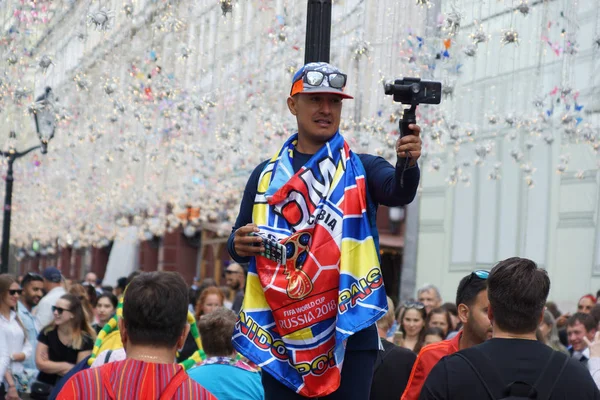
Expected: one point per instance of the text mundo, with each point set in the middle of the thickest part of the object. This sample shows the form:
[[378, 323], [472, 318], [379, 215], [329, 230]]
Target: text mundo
[[264, 341], [360, 290]]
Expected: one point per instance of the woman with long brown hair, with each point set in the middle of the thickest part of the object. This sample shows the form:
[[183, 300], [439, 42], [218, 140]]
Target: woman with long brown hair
[[412, 326], [65, 342], [78, 290], [17, 349]]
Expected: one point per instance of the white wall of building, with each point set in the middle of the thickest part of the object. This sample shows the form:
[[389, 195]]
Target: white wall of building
[[555, 221]]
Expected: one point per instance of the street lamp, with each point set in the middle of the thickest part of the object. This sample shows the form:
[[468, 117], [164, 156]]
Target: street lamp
[[45, 125]]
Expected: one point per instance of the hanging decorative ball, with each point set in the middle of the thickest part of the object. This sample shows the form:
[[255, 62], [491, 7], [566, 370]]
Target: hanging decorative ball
[[101, 19], [548, 138], [189, 230], [12, 58], [561, 167], [470, 50], [571, 48], [516, 154], [423, 3], [185, 52], [510, 120], [523, 8], [120, 107], [81, 36], [597, 41], [360, 49], [110, 88], [448, 89], [567, 119], [128, 9], [45, 63], [538, 102], [479, 37], [529, 181], [82, 83], [495, 173], [226, 7], [453, 20], [510, 36], [493, 120], [291, 67]]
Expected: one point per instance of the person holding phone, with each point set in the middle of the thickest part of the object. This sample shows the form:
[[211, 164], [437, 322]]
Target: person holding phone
[[296, 199]]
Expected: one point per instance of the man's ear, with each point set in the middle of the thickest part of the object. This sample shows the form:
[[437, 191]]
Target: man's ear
[[491, 314], [291, 103], [463, 313], [183, 337], [123, 332]]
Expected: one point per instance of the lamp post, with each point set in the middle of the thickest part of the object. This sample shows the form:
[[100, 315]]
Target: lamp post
[[318, 31], [45, 124]]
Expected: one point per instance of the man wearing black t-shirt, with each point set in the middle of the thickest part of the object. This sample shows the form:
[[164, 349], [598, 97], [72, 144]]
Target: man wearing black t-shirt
[[517, 291]]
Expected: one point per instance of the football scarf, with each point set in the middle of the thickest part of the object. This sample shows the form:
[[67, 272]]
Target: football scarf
[[297, 315]]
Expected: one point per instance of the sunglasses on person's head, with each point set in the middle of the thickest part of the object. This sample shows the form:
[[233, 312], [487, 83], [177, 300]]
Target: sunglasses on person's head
[[336, 80], [414, 304], [480, 273], [59, 310], [12, 292]]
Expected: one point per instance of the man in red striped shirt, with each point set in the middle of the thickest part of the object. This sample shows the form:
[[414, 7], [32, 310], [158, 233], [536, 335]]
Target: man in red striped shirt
[[153, 327], [472, 303]]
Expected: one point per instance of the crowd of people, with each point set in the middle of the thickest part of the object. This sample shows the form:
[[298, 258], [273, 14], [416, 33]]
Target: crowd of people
[[500, 315]]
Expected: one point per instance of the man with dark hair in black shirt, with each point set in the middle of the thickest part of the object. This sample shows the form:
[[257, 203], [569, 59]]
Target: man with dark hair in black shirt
[[513, 362]]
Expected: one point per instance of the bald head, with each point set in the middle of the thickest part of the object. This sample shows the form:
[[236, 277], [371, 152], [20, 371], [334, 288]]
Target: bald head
[[235, 276], [90, 278]]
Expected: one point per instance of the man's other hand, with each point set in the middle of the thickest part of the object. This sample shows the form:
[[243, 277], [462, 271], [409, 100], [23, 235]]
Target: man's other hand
[[247, 245]]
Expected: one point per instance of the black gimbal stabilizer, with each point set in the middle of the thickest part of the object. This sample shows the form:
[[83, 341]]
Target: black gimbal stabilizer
[[412, 91]]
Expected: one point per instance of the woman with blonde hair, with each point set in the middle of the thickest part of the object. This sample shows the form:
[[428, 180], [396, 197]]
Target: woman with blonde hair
[[16, 348], [549, 333], [64, 342]]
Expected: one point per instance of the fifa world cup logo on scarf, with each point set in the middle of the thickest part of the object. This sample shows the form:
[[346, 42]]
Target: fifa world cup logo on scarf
[[299, 283]]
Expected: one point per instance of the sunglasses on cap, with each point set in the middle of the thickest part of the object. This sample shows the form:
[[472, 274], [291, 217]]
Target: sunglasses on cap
[[12, 292], [336, 80], [417, 305], [59, 310]]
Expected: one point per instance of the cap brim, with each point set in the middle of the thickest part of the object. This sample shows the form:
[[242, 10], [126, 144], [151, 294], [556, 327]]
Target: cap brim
[[325, 90]]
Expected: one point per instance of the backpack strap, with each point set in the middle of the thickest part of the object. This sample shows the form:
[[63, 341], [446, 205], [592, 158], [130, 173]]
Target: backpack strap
[[174, 385], [484, 369], [107, 356], [549, 377]]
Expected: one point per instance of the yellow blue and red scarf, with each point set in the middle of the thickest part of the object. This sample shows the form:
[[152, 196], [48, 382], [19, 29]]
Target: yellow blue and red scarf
[[296, 317]]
